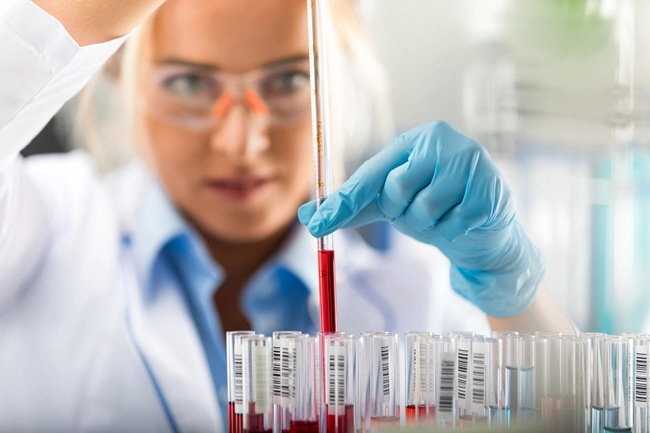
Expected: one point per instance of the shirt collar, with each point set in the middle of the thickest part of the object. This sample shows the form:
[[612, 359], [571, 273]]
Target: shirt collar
[[157, 224]]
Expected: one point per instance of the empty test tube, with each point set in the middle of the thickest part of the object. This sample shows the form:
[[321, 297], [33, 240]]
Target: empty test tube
[[305, 403], [284, 366], [341, 355], [381, 380], [257, 384], [234, 368]]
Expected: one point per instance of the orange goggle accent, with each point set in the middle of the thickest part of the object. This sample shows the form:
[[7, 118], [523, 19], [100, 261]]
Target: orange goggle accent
[[251, 98]]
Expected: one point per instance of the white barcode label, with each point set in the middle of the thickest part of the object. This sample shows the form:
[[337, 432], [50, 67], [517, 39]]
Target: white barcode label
[[289, 364], [239, 379], [641, 379], [416, 373], [261, 385], [462, 366], [478, 378], [446, 386], [385, 372], [277, 372], [335, 378]]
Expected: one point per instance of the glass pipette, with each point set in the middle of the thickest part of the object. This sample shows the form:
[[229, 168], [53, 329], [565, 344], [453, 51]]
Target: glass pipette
[[321, 143]]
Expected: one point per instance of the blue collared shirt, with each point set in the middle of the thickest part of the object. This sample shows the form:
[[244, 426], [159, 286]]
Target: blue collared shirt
[[275, 298]]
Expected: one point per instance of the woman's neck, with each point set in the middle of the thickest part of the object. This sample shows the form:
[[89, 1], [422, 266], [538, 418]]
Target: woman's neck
[[239, 261]]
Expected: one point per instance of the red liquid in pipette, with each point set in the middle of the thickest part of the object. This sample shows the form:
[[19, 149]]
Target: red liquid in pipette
[[327, 281]]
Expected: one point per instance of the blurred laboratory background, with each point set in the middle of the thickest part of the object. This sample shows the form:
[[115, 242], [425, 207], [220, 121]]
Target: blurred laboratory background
[[559, 93]]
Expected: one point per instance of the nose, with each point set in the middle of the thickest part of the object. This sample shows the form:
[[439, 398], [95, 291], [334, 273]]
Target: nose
[[242, 132]]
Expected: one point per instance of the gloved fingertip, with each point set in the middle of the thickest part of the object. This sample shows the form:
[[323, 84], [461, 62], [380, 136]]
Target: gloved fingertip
[[306, 212], [315, 227]]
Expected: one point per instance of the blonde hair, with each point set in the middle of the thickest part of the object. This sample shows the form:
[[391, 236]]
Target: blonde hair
[[361, 118]]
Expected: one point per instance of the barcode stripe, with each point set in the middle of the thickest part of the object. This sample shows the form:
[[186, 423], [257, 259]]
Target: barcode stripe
[[446, 392], [478, 378], [385, 371], [463, 360], [336, 360], [641, 379]]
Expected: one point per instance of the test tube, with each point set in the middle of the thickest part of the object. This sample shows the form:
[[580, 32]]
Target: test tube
[[381, 381], [511, 361], [444, 350], [499, 407], [641, 344], [595, 370], [341, 354], [420, 378], [527, 391], [316, 19], [484, 378], [542, 373], [617, 391], [284, 371], [568, 397], [257, 384], [234, 368], [463, 376], [305, 404]]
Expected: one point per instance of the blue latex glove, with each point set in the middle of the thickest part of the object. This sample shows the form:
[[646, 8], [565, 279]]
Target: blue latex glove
[[440, 187]]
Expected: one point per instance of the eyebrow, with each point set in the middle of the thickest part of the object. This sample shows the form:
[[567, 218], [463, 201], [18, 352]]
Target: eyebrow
[[211, 67]]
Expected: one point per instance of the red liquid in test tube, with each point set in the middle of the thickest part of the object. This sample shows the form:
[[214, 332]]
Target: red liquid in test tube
[[304, 427], [327, 281], [341, 423]]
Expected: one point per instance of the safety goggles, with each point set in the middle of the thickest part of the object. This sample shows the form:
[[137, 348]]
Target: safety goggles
[[198, 98]]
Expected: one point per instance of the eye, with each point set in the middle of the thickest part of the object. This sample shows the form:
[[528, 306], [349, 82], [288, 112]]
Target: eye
[[284, 83], [190, 86]]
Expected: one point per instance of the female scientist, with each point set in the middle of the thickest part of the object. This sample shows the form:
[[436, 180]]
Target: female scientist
[[115, 292]]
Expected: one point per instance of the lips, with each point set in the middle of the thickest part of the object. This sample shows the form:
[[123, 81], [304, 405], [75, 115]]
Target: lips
[[238, 188]]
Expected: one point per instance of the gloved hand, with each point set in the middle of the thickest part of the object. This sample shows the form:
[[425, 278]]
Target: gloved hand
[[440, 187]]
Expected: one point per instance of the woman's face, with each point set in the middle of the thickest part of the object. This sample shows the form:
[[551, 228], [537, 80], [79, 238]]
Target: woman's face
[[241, 179]]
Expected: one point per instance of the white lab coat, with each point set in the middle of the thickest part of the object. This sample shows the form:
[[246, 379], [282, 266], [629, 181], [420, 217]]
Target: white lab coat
[[79, 346]]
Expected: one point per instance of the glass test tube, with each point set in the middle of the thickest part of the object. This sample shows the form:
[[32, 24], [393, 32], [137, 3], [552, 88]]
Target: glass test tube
[[484, 378], [500, 413], [565, 386], [284, 371], [463, 376], [234, 368], [420, 378], [616, 385], [316, 20], [257, 361], [342, 394], [381, 381], [542, 376], [526, 368], [444, 352], [305, 403], [595, 359], [511, 388], [641, 346]]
